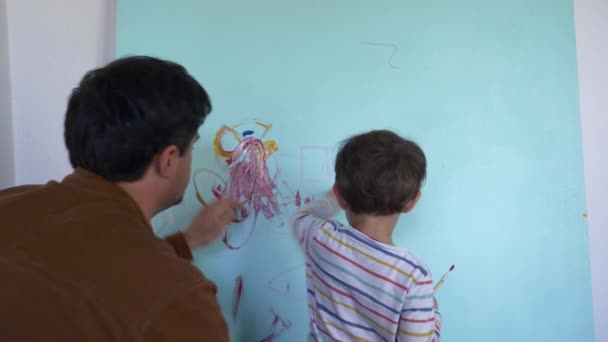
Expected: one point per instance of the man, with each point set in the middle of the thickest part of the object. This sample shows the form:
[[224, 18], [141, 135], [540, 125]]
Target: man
[[78, 258]]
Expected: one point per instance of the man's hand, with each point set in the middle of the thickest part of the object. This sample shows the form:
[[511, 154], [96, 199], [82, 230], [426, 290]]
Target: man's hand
[[209, 223]]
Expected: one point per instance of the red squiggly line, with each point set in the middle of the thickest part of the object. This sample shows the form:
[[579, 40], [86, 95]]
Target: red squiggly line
[[225, 235], [279, 325], [238, 293], [199, 197]]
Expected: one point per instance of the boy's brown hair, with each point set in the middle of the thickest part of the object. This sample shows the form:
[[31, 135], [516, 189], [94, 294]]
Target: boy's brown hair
[[379, 172]]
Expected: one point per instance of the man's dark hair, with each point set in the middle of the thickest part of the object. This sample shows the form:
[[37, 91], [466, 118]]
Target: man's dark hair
[[379, 172], [122, 114]]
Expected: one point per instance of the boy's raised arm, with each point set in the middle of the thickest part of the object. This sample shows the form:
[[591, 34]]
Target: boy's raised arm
[[312, 215]]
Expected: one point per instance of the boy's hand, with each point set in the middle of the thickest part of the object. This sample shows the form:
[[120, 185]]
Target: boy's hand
[[435, 305], [209, 223]]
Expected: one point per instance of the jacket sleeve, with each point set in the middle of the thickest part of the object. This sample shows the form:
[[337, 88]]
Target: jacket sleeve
[[179, 244]]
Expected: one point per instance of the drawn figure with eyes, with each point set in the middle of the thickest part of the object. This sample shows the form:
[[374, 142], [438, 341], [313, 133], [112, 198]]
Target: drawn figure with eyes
[[249, 180]]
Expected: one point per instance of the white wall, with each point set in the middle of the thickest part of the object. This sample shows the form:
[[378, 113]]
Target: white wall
[[7, 162], [52, 44], [592, 48]]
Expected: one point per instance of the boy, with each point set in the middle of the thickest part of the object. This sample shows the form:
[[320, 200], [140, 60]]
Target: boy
[[360, 286]]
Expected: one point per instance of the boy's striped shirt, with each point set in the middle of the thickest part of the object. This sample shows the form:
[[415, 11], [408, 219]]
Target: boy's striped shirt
[[360, 289]]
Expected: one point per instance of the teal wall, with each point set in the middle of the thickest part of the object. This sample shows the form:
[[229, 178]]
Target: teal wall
[[488, 89]]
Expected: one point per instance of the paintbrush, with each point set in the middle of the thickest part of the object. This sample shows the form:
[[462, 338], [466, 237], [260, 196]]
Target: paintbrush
[[445, 276]]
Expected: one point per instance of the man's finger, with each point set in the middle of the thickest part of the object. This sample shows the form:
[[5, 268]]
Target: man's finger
[[235, 205], [230, 215], [227, 215]]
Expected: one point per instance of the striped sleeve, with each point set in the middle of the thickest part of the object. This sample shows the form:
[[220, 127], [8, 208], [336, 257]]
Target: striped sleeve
[[312, 215], [420, 322]]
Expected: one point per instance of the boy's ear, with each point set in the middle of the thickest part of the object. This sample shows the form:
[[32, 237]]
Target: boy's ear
[[339, 198], [412, 203]]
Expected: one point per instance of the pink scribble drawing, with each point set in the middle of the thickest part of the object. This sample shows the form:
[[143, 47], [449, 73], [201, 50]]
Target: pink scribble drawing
[[238, 294], [248, 178], [279, 326], [243, 153]]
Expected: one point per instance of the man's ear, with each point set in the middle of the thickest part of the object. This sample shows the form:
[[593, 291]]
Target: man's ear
[[412, 203], [166, 161], [339, 198]]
